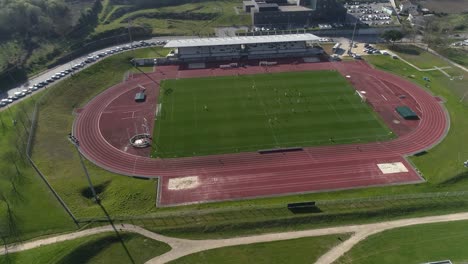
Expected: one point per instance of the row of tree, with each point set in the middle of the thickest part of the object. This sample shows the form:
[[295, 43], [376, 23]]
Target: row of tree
[[34, 18]]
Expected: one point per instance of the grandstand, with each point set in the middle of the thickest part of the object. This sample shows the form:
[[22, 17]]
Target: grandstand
[[246, 47]]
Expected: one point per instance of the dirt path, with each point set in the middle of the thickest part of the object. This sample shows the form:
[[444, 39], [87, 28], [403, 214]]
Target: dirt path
[[183, 247]]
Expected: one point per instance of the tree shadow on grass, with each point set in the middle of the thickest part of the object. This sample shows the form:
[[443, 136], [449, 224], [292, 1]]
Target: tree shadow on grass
[[87, 251], [100, 188], [405, 50], [117, 234], [456, 179]]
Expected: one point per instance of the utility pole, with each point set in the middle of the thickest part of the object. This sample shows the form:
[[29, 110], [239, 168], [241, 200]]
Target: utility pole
[[130, 33], [352, 38], [76, 143]]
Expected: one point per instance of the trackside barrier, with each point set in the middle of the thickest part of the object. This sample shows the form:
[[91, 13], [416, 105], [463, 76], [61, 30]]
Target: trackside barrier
[[301, 205], [325, 208], [279, 150]]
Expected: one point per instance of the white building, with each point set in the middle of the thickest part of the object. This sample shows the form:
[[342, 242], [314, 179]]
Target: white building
[[245, 47], [388, 10]]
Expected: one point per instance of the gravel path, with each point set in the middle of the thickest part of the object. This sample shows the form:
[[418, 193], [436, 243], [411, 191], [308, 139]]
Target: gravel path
[[183, 247]]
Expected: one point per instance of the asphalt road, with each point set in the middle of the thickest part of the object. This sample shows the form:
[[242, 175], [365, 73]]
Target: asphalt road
[[50, 72]]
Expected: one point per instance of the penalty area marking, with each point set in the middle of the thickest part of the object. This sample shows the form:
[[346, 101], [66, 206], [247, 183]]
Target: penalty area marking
[[394, 167], [183, 183]]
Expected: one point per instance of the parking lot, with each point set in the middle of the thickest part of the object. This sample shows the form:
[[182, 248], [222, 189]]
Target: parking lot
[[372, 13]]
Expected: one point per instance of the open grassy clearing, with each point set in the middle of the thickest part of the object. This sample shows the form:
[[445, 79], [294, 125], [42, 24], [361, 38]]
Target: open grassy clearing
[[167, 20], [202, 116], [414, 244], [458, 55], [418, 56], [102, 248], [302, 250], [446, 6]]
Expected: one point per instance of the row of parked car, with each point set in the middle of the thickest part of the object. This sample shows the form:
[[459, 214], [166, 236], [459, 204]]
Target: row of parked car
[[95, 57], [89, 59]]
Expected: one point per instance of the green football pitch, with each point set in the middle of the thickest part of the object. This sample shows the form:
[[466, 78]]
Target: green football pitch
[[202, 116]]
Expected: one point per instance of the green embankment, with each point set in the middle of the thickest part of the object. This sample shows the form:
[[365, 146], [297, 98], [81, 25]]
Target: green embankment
[[102, 248]]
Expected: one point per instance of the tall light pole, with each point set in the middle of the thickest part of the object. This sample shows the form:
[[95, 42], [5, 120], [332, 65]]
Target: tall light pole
[[352, 37], [76, 143], [130, 33]]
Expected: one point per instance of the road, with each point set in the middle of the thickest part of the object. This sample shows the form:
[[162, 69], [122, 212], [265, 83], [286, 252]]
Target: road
[[182, 247], [50, 72]]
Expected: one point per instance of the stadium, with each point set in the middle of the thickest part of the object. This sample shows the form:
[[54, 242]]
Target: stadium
[[236, 118]]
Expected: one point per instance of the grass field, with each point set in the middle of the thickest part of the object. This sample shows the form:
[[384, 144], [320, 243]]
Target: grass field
[[203, 116], [302, 250], [414, 244], [102, 248]]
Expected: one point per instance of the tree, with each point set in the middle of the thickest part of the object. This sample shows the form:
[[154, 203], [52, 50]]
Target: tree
[[392, 35]]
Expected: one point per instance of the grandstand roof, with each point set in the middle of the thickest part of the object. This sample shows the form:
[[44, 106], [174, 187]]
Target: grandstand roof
[[197, 42]]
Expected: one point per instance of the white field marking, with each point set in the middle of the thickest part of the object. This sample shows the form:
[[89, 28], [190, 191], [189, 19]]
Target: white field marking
[[394, 167], [463, 97], [384, 97], [442, 71], [158, 110], [331, 106], [183, 183], [133, 115]]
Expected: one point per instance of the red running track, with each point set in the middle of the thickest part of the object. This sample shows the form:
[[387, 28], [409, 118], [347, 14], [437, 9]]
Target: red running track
[[247, 175]]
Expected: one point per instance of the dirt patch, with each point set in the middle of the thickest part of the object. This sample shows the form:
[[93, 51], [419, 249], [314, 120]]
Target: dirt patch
[[183, 183]]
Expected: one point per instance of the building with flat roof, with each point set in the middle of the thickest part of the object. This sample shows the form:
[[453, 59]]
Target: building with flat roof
[[284, 14], [246, 47]]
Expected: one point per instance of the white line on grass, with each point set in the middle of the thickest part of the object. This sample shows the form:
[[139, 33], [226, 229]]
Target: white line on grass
[[265, 112], [333, 108], [195, 108]]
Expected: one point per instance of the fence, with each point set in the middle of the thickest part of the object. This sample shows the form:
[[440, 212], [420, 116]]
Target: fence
[[335, 211], [28, 150]]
